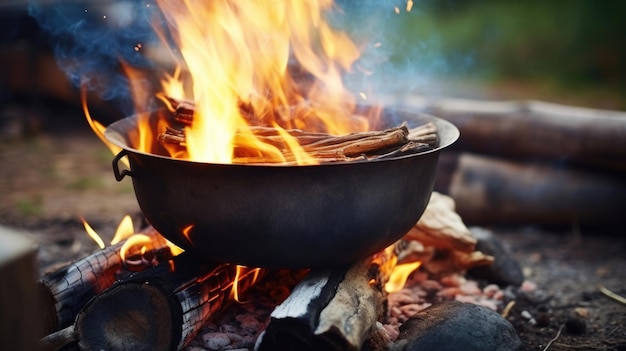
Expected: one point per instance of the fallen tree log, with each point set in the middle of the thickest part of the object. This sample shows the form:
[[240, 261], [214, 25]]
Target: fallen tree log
[[489, 190], [534, 130]]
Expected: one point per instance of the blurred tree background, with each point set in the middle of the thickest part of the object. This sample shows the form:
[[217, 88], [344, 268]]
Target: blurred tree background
[[573, 51], [566, 51]]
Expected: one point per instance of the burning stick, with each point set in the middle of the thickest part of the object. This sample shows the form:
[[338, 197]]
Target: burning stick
[[161, 308], [66, 290], [324, 147], [331, 309]]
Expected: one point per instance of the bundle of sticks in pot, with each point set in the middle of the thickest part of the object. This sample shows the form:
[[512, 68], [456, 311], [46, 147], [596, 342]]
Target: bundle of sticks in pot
[[324, 147]]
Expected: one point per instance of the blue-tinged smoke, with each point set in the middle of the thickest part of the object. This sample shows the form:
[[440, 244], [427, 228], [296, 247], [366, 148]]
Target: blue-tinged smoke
[[90, 39], [400, 53]]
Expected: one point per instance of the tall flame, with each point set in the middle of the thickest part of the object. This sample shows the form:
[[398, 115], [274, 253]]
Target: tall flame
[[238, 56]]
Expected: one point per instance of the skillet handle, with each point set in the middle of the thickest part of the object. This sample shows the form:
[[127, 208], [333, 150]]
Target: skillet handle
[[116, 169]]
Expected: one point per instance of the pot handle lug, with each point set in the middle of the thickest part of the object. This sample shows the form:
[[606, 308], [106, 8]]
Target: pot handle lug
[[116, 169]]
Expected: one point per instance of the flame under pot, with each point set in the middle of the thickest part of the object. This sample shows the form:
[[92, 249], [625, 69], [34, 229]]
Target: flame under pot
[[283, 216]]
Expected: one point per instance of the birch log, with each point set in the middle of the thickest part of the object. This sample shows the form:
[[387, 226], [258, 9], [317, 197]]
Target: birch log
[[334, 309]]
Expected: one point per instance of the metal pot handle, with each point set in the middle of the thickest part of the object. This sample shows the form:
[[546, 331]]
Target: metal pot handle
[[116, 169]]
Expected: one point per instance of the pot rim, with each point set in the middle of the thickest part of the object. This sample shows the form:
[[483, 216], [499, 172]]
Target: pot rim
[[447, 133]]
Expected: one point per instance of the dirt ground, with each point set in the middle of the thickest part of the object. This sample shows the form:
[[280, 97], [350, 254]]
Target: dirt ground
[[55, 171]]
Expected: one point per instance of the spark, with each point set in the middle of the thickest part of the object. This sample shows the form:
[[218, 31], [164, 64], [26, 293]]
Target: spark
[[409, 5]]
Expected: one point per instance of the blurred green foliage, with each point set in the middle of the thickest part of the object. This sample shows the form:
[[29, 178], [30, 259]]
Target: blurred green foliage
[[561, 45], [570, 41]]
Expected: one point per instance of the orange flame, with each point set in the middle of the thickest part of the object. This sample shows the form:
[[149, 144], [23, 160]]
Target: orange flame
[[399, 276], [93, 234], [135, 242], [96, 126], [124, 230], [240, 272], [244, 63]]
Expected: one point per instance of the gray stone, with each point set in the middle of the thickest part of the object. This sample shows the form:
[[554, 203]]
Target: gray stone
[[505, 270], [452, 326]]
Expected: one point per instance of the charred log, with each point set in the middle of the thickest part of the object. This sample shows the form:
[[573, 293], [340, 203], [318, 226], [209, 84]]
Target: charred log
[[160, 308], [67, 289]]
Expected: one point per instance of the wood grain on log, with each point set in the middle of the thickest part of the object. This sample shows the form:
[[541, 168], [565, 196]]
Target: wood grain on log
[[64, 291], [441, 227], [534, 129], [323, 147], [490, 190], [447, 245], [333, 309], [160, 308]]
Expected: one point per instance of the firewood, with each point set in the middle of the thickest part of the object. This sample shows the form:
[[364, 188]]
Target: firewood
[[393, 142], [535, 130], [373, 145], [451, 243], [64, 291], [493, 190], [333, 309], [361, 143], [184, 110], [446, 262], [290, 160], [412, 147], [160, 308], [441, 227]]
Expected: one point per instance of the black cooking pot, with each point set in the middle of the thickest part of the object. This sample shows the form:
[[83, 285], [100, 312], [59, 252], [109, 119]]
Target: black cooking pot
[[283, 216]]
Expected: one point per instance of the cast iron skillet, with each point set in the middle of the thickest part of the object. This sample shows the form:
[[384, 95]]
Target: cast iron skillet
[[283, 216]]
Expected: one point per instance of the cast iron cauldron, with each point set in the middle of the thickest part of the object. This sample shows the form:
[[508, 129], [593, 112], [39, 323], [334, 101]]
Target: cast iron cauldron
[[283, 216]]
